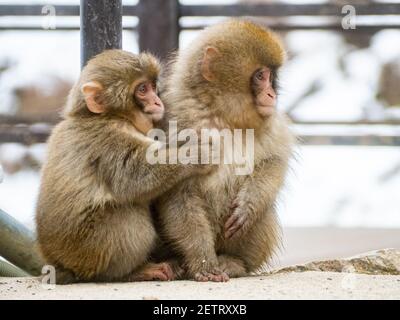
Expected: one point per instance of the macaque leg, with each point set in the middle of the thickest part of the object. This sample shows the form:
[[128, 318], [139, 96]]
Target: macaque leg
[[249, 252], [162, 271], [152, 272], [65, 276], [189, 229], [233, 267], [177, 269]]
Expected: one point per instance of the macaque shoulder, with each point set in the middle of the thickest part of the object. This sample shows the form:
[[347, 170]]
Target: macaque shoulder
[[275, 140]]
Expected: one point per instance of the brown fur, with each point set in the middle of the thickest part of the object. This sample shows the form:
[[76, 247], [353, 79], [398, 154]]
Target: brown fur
[[194, 212], [93, 217]]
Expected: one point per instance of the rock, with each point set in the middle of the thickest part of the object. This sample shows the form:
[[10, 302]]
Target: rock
[[291, 285], [321, 280], [383, 262]]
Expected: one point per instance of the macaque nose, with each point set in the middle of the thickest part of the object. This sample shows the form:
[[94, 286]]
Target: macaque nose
[[157, 102]]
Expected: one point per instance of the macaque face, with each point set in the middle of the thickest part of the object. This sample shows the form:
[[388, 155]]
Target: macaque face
[[145, 94], [263, 91]]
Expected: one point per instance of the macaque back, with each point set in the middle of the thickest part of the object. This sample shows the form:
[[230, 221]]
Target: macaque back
[[224, 224], [93, 215]]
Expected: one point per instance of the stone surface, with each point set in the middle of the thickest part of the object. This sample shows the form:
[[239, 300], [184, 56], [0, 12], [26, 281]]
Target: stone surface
[[384, 262], [357, 279]]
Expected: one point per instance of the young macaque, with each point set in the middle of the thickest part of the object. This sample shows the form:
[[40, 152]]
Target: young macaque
[[93, 217], [222, 224]]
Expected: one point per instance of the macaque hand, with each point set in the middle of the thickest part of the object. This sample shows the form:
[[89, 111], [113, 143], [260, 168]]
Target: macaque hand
[[238, 221]]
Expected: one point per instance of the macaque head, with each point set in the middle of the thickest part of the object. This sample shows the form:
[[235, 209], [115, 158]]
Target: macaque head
[[238, 65], [264, 91], [119, 83]]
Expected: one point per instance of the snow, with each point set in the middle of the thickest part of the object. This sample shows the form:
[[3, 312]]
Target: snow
[[38, 152], [330, 185], [386, 45], [342, 95], [343, 186], [12, 152], [18, 194], [358, 130]]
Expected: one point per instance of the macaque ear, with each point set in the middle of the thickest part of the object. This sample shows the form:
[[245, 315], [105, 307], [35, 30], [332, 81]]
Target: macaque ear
[[210, 54], [90, 90]]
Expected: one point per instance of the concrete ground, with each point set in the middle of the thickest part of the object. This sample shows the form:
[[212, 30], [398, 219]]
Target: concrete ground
[[307, 281], [293, 285]]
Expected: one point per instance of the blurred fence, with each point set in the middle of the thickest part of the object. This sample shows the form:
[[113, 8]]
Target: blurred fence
[[159, 26]]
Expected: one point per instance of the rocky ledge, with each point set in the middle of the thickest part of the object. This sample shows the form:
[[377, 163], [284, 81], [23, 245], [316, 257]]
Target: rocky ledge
[[374, 275]]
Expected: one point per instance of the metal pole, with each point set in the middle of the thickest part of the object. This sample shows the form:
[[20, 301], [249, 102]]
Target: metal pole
[[158, 26], [101, 27], [17, 245], [8, 270]]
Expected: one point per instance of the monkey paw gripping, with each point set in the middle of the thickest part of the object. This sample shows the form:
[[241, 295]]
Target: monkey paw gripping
[[238, 221], [215, 275], [155, 272]]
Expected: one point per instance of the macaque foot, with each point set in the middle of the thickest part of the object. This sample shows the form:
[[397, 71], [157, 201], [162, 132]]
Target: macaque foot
[[215, 276], [233, 267], [177, 269], [154, 272]]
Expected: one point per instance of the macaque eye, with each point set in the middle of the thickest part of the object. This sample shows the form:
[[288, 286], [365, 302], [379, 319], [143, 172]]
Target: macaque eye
[[259, 75], [142, 88]]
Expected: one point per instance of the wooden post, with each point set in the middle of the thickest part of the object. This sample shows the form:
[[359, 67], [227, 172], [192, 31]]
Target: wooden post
[[101, 27], [159, 26]]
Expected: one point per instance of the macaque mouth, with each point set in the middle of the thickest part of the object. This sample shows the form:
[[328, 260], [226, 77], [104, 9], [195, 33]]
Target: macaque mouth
[[266, 106], [153, 112]]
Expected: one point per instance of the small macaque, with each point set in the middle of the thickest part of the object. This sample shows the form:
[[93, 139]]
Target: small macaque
[[222, 224], [93, 212]]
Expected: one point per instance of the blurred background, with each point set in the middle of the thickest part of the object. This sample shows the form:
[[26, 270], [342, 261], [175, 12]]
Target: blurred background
[[340, 87]]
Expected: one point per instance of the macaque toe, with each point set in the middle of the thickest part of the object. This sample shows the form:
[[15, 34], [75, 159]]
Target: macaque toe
[[155, 272], [217, 276]]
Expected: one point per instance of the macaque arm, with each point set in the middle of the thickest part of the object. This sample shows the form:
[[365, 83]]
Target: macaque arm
[[256, 196], [124, 169]]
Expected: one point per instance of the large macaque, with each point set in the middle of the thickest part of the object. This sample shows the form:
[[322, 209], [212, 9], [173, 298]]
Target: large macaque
[[93, 216], [224, 225]]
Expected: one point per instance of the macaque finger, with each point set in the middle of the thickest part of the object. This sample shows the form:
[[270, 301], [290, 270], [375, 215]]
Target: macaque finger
[[154, 271], [200, 277], [211, 276], [235, 228], [230, 232], [231, 221], [233, 206]]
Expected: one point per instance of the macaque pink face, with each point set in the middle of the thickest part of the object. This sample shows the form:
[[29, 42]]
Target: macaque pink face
[[146, 96], [263, 91]]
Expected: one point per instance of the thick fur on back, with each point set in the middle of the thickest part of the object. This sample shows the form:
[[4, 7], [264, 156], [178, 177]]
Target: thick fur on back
[[93, 216], [81, 221], [226, 103]]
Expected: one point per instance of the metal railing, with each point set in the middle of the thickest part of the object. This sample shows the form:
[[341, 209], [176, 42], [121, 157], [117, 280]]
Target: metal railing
[[159, 26]]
